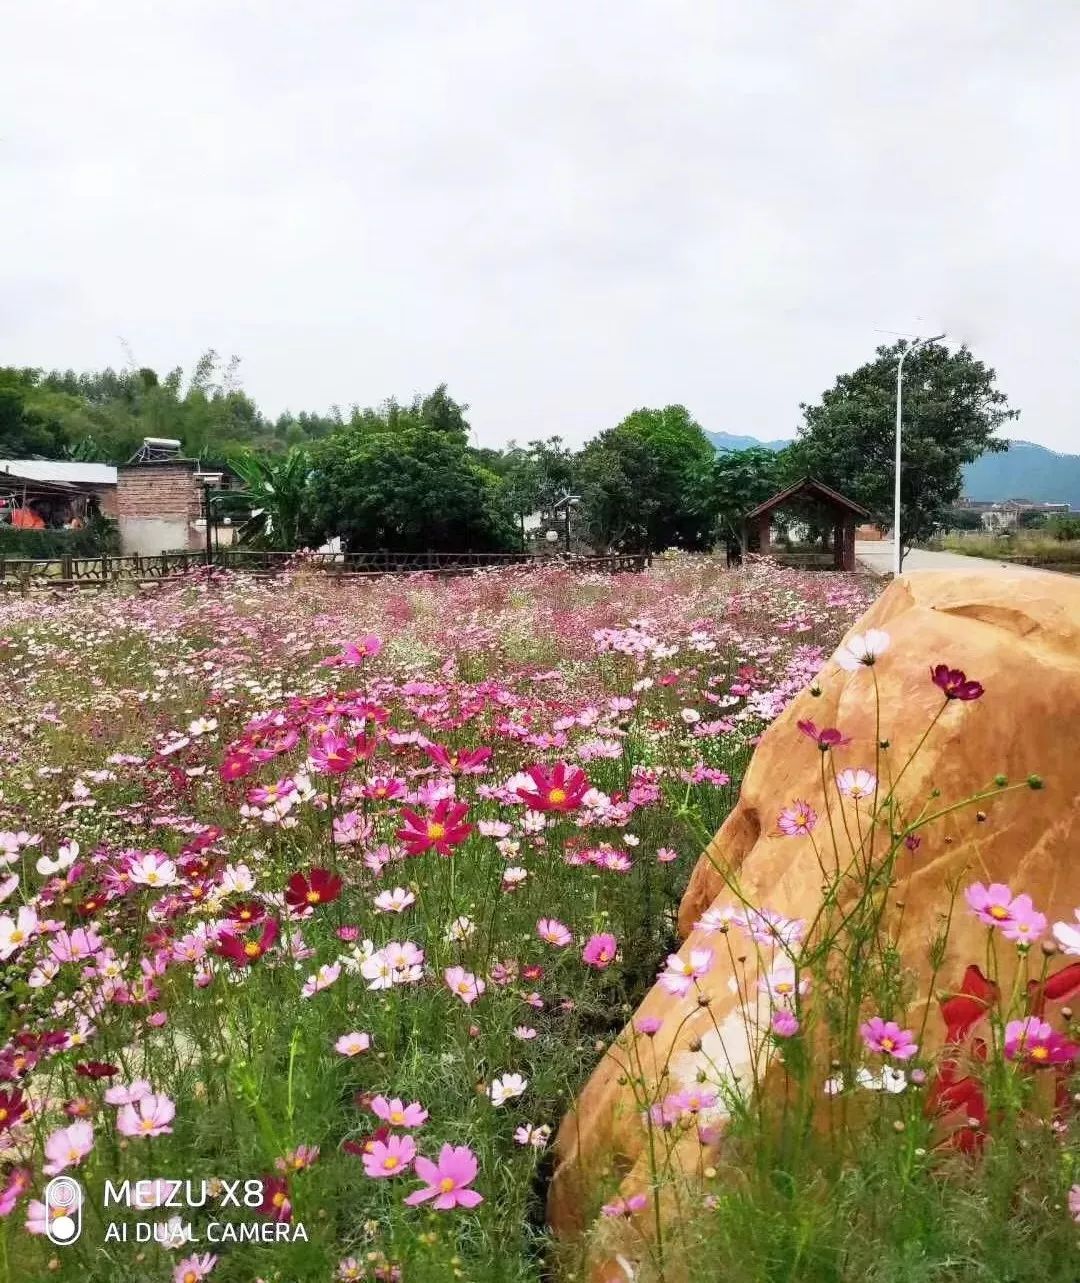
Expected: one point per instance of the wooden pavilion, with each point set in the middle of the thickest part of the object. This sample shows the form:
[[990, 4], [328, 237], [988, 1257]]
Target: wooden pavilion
[[843, 511]]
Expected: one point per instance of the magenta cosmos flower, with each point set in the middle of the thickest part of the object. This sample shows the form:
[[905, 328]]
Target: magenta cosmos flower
[[888, 1039], [825, 739], [390, 1157], [448, 1180], [954, 684], [440, 831], [625, 1206], [1038, 1043], [556, 788], [797, 820], [1074, 1202], [600, 950]]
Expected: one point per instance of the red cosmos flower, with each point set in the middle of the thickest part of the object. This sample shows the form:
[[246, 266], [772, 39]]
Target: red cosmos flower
[[954, 683], [443, 829], [825, 739], [362, 1100], [248, 913], [12, 1108], [559, 789], [96, 1069], [244, 953], [459, 761], [236, 765], [319, 887], [276, 1202]]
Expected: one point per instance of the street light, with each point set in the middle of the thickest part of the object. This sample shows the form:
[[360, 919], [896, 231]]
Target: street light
[[569, 500], [899, 416]]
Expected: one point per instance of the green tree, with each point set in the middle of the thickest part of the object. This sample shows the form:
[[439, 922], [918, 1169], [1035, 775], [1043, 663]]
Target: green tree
[[640, 482], [276, 495], [952, 409], [407, 489], [736, 481], [25, 431]]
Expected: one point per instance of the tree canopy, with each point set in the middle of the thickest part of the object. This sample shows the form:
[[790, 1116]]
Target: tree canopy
[[404, 474], [952, 410]]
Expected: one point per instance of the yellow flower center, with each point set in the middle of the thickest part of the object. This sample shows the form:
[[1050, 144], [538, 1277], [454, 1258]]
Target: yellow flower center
[[252, 949], [313, 897], [396, 1116], [436, 831], [1039, 1053], [3, 1115], [446, 1184], [887, 1044], [998, 911], [17, 937], [147, 1124], [557, 796], [278, 1199], [389, 1162]]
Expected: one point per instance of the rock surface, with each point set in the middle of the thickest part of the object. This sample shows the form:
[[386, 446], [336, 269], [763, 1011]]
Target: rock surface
[[1019, 636]]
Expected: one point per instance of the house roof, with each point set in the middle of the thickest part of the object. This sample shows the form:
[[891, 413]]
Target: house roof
[[810, 486], [61, 470]]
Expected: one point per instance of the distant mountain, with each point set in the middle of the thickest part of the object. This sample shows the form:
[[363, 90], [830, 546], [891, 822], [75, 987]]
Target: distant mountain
[[1025, 471], [730, 441]]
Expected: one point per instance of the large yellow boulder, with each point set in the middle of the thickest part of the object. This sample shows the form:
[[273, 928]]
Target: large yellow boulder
[[1016, 632]]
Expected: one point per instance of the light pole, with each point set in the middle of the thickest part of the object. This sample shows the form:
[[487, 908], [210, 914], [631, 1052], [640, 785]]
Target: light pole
[[899, 418]]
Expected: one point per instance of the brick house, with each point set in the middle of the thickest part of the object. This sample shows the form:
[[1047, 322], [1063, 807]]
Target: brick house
[[160, 506]]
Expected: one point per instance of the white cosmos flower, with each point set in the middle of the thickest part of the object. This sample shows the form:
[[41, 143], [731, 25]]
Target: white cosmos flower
[[1067, 934], [508, 1087], [862, 649]]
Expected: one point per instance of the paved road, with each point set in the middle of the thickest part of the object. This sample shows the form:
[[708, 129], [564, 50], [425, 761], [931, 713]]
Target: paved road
[[878, 557]]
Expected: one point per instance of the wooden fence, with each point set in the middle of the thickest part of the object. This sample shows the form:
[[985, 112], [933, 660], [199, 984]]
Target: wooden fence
[[98, 572]]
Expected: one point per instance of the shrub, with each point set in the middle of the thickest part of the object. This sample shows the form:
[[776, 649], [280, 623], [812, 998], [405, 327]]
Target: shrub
[[99, 536]]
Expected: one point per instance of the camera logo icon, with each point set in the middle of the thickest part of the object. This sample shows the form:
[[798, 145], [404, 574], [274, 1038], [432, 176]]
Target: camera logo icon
[[63, 1210]]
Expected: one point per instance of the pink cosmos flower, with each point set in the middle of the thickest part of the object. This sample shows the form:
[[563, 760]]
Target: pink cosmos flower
[[18, 1183], [647, 1025], [68, 1147], [625, 1206], [352, 1044], [397, 1114], [797, 820], [1026, 924], [390, 1157], [665, 855], [149, 1116], [129, 1094], [192, 1269], [554, 932], [448, 1180], [996, 905], [681, 973], [1074, 1202], [887, 1038], [785, 1024], [463, 984], [600, 950]]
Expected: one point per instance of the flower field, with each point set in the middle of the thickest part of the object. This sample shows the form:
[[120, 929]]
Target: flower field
[[320, 903]]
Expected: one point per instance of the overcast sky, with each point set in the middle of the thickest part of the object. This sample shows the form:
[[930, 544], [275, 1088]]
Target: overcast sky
[[563, 208]]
